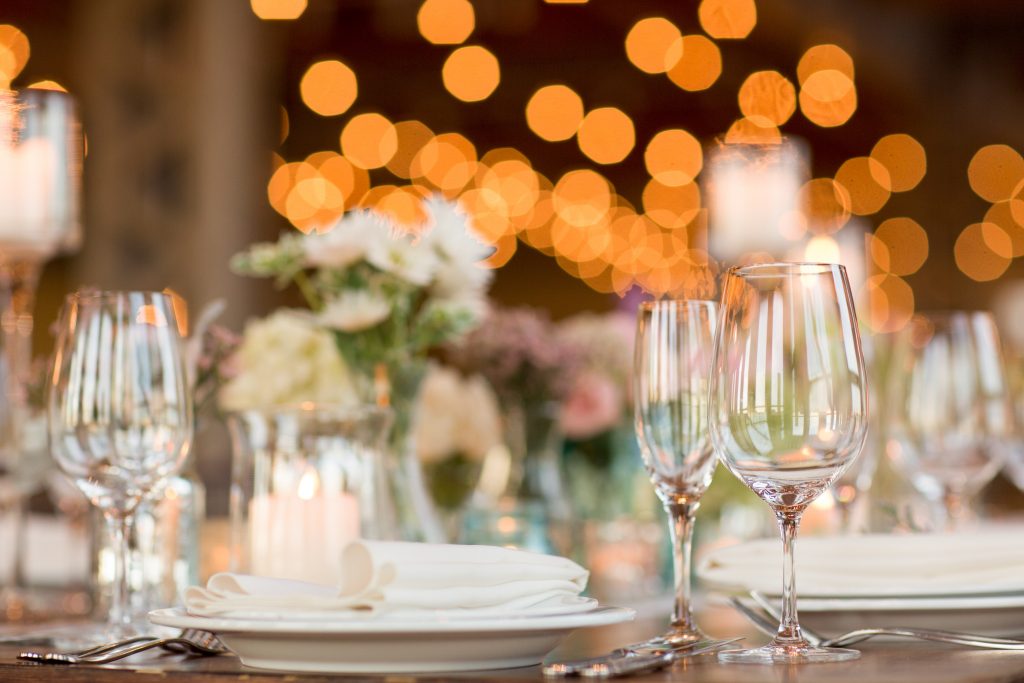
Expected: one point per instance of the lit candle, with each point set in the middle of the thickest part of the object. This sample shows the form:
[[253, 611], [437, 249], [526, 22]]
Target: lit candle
[[301, 535], [28, 187]]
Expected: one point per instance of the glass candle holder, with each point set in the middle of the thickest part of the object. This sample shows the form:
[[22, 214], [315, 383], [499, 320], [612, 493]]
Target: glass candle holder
[[305, 482]]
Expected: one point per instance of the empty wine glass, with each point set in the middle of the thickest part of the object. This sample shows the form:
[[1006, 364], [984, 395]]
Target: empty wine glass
[[788, 407], [674, 341], [119, 412], [949, 406]]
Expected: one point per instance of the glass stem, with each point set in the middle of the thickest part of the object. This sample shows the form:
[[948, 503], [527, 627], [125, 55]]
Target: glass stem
[[953, 505], [119, 617], [681, 516], [789, 626]]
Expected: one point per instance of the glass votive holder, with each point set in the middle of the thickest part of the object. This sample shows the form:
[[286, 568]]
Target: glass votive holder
[[305, 482]]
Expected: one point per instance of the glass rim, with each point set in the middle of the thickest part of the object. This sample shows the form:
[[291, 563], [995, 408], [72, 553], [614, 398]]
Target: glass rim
[[88, 295], [651, 304], [310, 409], [779, 268]]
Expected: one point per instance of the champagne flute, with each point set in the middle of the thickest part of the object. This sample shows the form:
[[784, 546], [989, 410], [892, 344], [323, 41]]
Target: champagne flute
[[788, 407], [950, 407], [674, 341], [119, 412]]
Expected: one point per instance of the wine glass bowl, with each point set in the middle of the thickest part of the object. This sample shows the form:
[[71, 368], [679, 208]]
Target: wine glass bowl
[[674, 342], [788, 411], [119, 410], [950, 406]]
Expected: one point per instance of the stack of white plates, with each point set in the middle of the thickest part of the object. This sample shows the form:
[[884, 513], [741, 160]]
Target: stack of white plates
[[432, 641], [967, 581]]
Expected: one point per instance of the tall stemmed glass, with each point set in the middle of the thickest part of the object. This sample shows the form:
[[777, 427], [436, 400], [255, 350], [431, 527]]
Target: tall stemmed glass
[[674, 341], [788, 407], [950, 406], [119, 412]]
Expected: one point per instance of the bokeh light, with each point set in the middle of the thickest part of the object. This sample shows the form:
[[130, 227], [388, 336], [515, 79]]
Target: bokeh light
[[724, 19], [654, 45], [746, 131], [671, 206], [554, 112], [995, 171], [471, 73], [824, 58], [1007, 215], [867, 183], [606, 135], [278, 9], [14, 53], [411, 136], [768, 98], [446, 22], [329, 88], [899, 246], [369, 140], [890, 303], [983, 251], [828, 98], [47, 85], [674, 157], [826, 204], [904, 158], [448, 162], [699, 66], [822, 249], [582, 197]]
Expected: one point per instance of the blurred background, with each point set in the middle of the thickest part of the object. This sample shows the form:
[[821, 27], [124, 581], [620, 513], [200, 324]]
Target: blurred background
[[578, 135]]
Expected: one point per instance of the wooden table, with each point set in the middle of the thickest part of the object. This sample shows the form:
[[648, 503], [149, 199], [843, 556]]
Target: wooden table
[[881, 662]]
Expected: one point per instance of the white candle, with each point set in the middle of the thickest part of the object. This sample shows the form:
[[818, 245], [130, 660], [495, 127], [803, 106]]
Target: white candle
[[301, 535]]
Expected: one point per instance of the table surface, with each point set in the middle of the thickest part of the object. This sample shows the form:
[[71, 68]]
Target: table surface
[[898, 662]]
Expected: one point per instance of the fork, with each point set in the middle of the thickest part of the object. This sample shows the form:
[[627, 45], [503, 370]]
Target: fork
[[767, 622], [189, 641]]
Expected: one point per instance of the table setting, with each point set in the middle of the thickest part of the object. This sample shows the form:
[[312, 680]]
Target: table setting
[[366, 436]]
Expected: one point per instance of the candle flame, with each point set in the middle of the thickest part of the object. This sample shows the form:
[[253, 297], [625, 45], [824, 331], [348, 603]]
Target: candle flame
[[309, 484]]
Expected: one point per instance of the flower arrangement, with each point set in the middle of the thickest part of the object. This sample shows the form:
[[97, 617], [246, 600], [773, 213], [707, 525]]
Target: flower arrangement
[[386, 295]]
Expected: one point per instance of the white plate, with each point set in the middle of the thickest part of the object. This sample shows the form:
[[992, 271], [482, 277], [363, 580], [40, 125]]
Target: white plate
[[992, 615], [387, 646]]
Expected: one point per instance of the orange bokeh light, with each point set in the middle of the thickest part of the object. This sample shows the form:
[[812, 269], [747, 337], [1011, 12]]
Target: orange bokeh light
[[674, 157], [768, 98], [47, 85], [727, 19], [904, 158], [1008, 216], [671, 207], [900, 246], [329, 88], [582, 197], [890, 303], [411, 136], [654, 45], [983, 251], [828, 98], [824, 58], [14, 52], [369, 140], [700, 65], [446, 22], [448, 162], [471, 73], [826, 204], [995, 172], [867, 183], [606, 135], [278, 9], [554, 112], [750, 132]]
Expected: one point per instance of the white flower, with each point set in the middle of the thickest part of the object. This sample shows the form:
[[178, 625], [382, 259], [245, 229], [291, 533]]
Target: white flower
[[286, 359], [354, 310], [347, 242], [454, 280], [473, 307], [411, 260], [452, 235], [455, 416]]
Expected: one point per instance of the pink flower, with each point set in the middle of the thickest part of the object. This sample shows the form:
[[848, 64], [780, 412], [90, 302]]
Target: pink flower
[[594, 405]]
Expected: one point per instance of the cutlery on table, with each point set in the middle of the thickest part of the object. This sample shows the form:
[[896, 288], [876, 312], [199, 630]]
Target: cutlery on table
[[767, 623], [189, 641], [637, 651], [645, 663]]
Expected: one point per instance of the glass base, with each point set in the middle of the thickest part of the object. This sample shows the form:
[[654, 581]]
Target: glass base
[[793, 653]]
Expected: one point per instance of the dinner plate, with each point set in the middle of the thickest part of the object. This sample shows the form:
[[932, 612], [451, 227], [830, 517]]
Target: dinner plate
[[428, 644], [990, 615]]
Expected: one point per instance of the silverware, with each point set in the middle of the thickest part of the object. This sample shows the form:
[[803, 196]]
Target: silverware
[[189, 641], [576, 667], [767, 623], [640, 664]]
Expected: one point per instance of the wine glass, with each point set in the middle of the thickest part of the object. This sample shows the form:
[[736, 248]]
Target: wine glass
[[674, 341], [119, 412], [788, 407], [949, 407]]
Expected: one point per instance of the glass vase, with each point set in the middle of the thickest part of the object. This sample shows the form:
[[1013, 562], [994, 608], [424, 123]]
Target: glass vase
[[306, 481]]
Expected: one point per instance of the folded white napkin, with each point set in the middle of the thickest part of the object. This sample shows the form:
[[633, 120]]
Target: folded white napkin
[[405, 578], [883, 565]]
